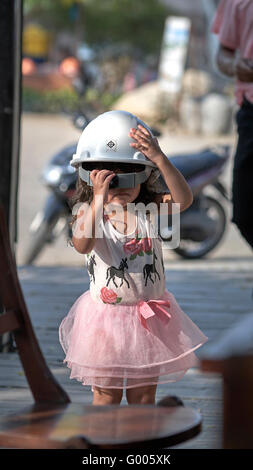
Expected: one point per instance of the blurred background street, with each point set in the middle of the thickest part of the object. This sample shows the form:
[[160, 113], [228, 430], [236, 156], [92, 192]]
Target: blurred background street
[[43, 134], [79, 59]]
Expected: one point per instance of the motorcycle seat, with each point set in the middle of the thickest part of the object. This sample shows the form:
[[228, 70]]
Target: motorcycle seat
[[193, 163]]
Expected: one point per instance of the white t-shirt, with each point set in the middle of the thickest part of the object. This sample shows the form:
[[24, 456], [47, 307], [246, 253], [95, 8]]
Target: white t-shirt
[[124, 269]]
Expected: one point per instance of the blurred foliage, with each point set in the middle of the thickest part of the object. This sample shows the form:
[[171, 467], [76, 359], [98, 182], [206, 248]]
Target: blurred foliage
[[54, 15], [65, 100], [48, 101], [121, 31], [137, 23]]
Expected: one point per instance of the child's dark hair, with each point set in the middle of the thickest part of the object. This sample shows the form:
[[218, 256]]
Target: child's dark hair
[[84, 192]]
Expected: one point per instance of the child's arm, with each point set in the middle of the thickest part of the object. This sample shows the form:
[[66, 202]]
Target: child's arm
[[81, 243], [84, 244], [179, 188]]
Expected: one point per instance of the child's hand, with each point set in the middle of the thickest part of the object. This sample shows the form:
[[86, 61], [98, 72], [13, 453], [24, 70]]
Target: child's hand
[[101, 180], [146, 144]]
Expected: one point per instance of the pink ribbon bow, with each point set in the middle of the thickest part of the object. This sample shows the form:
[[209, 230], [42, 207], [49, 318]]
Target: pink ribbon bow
[[153, 307]]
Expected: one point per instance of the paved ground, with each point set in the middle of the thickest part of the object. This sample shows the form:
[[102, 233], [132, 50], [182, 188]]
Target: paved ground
[[213, 298]]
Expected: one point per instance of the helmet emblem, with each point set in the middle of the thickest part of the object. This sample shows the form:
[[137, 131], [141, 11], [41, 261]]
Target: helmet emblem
[[111, 145]]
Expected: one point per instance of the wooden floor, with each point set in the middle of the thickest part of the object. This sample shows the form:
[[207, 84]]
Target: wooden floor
[[214, 295]]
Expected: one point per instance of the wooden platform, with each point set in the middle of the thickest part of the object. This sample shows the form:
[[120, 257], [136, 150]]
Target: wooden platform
[[213, 298]]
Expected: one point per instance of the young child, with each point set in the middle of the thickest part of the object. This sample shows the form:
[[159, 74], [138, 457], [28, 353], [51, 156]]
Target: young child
[[127, 330]]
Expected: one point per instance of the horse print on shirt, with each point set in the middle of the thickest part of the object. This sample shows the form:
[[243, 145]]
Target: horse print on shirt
[[90, 266], [112, 271], [149, 269]]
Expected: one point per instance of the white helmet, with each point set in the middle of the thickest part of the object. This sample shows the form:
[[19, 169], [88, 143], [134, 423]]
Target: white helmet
[[106, 139]]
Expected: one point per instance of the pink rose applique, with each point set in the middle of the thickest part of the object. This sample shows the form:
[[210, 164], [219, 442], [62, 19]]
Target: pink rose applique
[[109, 296], [146, 244], [138, 246], [133, 246]]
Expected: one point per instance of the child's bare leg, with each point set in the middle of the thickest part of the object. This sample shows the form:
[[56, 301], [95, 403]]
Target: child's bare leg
[[107, 396], [141, 395]]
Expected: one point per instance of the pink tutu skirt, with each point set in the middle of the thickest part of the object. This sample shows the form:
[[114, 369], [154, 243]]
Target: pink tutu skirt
[[113, 346]]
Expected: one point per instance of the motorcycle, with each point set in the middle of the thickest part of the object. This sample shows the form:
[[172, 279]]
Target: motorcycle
[[202, 225]]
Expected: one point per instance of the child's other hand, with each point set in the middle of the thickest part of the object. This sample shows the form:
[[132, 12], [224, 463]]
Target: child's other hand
[[146, 144]]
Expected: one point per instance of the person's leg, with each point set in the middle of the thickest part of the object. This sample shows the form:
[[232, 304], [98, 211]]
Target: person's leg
[[141, 395], [107, 396], [242, 185], [243, 203]]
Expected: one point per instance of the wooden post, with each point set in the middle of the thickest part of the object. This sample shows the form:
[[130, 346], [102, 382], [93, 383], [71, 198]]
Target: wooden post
[[238, 403], [232, 357], [10, 99]]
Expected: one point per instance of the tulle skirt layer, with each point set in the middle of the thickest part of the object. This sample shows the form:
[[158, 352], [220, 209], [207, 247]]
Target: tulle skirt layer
[[106, 345]]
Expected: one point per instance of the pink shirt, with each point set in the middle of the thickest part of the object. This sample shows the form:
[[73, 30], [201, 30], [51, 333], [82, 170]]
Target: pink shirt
[[233, 23]]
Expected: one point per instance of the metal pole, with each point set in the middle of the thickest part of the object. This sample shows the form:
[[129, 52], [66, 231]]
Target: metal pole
[[209, 8]]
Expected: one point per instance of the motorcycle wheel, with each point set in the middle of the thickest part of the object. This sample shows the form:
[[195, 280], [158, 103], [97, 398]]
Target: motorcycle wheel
[[189, 249], [39, 239]]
